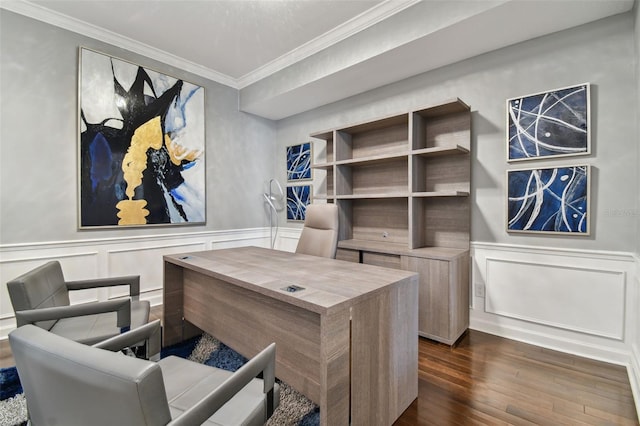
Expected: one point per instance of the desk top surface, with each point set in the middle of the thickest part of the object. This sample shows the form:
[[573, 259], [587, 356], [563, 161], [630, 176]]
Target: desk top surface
[[326, 283]]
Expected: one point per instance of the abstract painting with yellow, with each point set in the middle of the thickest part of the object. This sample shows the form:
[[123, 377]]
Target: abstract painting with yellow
[[142, 140]]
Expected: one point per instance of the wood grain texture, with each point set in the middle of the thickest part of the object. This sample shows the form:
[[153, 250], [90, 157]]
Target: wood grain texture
[[372, 218], [446, 222], [335, 375], [444, 173], [382, 140], [448, 130], [443, 298], [386, 374], [343, 145], [489, 380], [348, 255], [405, 180], [385, 178], [345, 222], [173, 302], [231, 313], [381, 259], [434, 298], [331, 191], [344, 180], [329, 150], [441, 253], [417, 215], [459, 270], [239, 296]]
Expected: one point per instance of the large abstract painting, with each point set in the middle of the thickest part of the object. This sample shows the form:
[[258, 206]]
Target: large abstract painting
[[142, 145], [298, 198], [549, 124], [299, 162], [550, 200]]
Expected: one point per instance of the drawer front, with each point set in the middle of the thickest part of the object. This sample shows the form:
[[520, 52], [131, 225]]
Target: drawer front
[[380, 259], [348, 255]]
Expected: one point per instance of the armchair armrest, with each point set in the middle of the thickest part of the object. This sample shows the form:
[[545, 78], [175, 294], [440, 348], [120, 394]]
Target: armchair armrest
[[122, 307], [133, 281], [149, 332], [264, 362]]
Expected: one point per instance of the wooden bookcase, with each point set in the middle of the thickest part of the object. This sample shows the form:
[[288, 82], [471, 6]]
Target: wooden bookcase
[[402, 187]]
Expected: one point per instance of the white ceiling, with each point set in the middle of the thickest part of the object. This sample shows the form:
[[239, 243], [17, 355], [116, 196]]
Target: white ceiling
[[231, 37], [243, 42]]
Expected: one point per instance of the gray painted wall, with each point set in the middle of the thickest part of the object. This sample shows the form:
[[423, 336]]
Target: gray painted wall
[[38, 140], [601, 53], [636, 10]]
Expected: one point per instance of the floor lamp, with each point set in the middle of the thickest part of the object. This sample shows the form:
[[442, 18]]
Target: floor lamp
[[272, 197]]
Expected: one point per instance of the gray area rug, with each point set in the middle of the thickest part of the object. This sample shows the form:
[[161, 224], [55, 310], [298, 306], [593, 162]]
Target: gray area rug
[[294, 410]]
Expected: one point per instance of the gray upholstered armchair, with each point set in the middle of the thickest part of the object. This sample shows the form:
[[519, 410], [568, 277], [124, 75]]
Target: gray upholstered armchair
[[320, 232], [41, 297], [67, 383]]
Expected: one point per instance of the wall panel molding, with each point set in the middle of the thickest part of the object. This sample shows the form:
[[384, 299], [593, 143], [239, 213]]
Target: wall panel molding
[[135, 255], [634, 363], [551, 297], [548, 250], [634, 375], [582, 299], [122, 260]]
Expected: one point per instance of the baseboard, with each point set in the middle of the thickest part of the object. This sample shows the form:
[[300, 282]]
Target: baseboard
[[549, 339], [633, 370]]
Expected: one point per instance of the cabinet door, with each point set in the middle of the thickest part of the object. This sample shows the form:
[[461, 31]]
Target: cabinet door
[[433, 296], [348, 255], [381, 259]]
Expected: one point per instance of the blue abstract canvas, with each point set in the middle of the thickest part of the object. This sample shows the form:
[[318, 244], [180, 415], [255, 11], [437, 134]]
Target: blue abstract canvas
[[299, 162], [142, 144], [551, 200], [298, 197], [549, 124]]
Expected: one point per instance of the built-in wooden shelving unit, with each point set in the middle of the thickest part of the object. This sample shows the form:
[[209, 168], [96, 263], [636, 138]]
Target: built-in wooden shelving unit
[[402, 187]]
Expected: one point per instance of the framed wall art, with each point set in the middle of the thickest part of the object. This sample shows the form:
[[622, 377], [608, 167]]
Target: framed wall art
[[141, 145], [549, 124], [549, 200], [298, 198], [299, 162]]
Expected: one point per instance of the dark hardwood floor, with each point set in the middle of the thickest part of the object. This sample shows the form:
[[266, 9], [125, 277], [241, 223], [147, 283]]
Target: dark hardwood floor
[[489, 380]]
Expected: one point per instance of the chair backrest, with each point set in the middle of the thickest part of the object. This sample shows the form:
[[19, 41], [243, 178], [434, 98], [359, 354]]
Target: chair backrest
[[43, 287], [320, 232], [68, 383]]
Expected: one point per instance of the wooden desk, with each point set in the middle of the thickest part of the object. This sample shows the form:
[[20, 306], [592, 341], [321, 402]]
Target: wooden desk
[[348, 341]]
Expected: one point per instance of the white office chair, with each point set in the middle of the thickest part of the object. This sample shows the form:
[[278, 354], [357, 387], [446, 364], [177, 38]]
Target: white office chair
[[320, 233]]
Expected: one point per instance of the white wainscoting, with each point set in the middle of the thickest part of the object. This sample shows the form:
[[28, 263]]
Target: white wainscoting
[[576, 301], [94, 258], [634, 364], [587, 300]]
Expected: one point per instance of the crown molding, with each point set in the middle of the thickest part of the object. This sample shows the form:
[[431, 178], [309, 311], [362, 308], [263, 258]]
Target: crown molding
[[49, 16], [376, 14], [366, 19]]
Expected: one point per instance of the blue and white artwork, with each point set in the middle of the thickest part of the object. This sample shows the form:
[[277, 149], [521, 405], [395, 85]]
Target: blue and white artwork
[[551, 200], [549, 124], [298, 198], [299, 162], [142, 143]]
